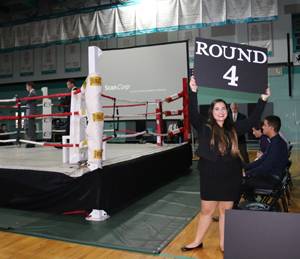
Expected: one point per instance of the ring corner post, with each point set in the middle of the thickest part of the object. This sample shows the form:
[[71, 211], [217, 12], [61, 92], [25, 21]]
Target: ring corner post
[[186, 121], [159, 123]]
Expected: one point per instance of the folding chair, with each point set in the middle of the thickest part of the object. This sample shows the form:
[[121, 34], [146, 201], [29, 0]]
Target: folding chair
[[274, 195]]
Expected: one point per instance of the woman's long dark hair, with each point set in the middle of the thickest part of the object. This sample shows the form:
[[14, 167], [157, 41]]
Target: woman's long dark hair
[[219, 132]]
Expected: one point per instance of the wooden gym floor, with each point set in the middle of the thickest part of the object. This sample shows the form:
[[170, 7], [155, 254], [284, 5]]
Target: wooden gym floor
[[23, 247]]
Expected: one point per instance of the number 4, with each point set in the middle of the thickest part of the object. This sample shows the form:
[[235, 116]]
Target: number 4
[[233, 78]]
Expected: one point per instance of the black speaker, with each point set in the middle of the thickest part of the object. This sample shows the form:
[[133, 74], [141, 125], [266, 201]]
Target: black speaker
[[261, 235]]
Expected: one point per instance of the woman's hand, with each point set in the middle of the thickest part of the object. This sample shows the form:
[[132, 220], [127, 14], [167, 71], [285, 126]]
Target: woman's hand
[[267, 94], [193, 84], [244, 174]]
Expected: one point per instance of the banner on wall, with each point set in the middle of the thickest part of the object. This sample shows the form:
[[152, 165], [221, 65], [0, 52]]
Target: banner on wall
[[88, 28], [126, 42], [72, 57], [146, 17], [190, 14], [107, 23], [238, 11], [26, 62], [214, 12], [22, 35], [52, 29], [8, 37], [69, 29], [167, 15], [102, 44], [125, 20], [37, 36], [6, 65], [264, 10], [260, 35], [230, 66], [49, 60]]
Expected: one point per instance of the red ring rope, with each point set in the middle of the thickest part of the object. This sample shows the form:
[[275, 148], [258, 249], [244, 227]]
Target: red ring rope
[[60, 105], [60, 145]]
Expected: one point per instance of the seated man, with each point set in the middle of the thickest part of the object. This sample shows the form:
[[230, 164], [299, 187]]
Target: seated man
[[4, 137], [266, 172], [263, 139], [173, 126]]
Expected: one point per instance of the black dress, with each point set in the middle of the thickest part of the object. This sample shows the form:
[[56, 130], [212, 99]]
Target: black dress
[[221, 180], [221, 176]]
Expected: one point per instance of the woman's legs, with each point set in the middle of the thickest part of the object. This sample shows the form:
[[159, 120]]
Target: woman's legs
[[223, 205], [207, 210]]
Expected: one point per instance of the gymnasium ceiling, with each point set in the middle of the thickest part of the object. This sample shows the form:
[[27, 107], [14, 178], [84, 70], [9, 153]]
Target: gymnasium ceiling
[[16, 10]]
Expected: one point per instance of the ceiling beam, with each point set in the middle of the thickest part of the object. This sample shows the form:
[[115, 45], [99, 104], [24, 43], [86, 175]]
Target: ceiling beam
[[41, 8]]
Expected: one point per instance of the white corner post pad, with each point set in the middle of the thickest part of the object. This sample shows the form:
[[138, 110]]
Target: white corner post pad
[[94, 129], [65, 149], [97, 215], [93, 166]]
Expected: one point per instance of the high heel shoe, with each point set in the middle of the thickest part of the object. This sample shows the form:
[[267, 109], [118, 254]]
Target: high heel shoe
[[184, 249]]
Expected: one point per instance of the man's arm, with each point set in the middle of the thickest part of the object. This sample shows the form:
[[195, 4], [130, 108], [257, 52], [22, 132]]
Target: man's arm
[[66, 100], [266, 163]]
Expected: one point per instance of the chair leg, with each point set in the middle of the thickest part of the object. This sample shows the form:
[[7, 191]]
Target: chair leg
[[285, 207], [288, 196]]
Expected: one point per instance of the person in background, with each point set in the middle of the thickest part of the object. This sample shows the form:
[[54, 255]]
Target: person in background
[[237, 116], [173, 126], [67, 101], [263, 139], [4, 137], [31, 109]]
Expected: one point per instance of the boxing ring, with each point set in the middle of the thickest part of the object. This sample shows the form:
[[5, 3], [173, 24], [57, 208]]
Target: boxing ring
[[96, 176]]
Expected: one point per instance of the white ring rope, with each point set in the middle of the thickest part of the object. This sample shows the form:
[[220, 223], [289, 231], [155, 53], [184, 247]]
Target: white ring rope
[[148, 133], [7, 100], [133, 101], [8, 133], [134, 115], [38, 131]]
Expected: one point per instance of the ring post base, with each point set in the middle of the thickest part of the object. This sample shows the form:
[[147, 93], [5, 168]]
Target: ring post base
[[79, 172], [93, 166], [97, 215]]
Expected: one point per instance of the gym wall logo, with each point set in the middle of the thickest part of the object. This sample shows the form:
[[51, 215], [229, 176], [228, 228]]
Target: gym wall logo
[[118, 87], [98, 154], [95, 81], [296, 59], [84, 84], [84, 143], [230, 66], [98, 116], [83, 112]]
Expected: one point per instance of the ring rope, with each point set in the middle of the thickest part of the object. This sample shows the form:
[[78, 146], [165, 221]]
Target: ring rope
[[148, 133], [37, 116], [132, 115], [115, 115]]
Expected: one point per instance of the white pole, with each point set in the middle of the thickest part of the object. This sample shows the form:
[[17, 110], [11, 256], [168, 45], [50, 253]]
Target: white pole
[[94, 130]]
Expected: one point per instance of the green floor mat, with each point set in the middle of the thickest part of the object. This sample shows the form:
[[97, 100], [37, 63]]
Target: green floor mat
[[147, 225]]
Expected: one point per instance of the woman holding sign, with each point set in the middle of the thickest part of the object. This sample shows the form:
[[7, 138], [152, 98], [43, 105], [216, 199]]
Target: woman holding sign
[[220, 165]]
